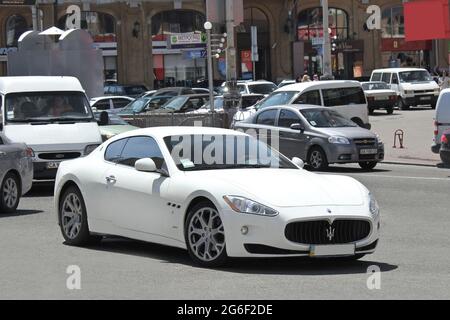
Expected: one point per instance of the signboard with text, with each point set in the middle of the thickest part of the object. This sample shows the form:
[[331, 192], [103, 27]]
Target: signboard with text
[[17, 2], [187, 40]]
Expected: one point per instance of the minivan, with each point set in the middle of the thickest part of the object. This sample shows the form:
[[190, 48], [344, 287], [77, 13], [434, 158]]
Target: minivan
[[414, 86], [52, 115], [345, 96], [441, 119]]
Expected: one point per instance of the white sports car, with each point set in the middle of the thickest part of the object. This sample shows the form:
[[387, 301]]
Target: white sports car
[[217, 193]]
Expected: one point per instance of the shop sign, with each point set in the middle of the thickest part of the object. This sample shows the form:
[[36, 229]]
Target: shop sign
[[400, 44], [17, 2], [187, 40], [246, 64], [195, 54], [5, 51]]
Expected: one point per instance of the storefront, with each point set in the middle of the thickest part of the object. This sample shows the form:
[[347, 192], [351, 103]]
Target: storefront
[[179, 48]]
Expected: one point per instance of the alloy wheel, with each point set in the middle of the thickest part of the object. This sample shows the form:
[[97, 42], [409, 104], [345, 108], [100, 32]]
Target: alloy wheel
[[10, 192], [206, 234], [72, 212], [316, 159]]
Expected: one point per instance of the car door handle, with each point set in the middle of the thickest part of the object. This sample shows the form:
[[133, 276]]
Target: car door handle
[[111, 179]]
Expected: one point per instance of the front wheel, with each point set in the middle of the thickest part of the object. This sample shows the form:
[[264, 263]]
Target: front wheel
[[10, 193], [368, 165], [390, 110], [205, 236], [402, 105], [317, 159]]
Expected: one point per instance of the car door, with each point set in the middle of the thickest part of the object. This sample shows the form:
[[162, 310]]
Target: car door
[[265, 126], [292, 142], [138, 198], [395, 83]]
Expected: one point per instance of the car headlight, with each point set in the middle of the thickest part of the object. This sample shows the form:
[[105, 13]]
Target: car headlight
[[338, 140], [244, 205], [408, 92], [373, 205], [90, 148], [379, 140]]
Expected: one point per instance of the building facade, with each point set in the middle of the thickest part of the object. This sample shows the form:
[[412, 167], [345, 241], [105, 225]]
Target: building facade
[[160, 43]]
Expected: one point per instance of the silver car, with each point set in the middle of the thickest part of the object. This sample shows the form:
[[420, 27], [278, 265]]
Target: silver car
[[317, 135], [16, 173]]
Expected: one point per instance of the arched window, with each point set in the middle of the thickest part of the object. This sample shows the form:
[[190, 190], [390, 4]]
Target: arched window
[[15, 26], [393, 22], [101, 26], [177, 21], [310, 24]]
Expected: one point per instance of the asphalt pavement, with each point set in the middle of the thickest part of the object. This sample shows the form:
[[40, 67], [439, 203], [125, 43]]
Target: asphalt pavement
[[413, 254]]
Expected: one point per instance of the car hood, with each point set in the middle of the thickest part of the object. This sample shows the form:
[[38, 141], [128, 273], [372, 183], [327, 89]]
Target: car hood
[[423, 85], [383, 92], [287, 187], [58, 136], [348, 132]]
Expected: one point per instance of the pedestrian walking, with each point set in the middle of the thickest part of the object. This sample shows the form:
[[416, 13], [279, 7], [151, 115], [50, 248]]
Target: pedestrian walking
[[444, 82], [306, 78]]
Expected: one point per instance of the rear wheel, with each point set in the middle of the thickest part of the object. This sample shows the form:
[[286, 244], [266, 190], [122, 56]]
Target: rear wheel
[[390, 110], [368, 165], [317, 159], [205, 236], [371, 111], [10, 193], [402, 105]]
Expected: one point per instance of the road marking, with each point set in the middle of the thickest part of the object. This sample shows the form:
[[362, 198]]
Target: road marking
[[401, 177]]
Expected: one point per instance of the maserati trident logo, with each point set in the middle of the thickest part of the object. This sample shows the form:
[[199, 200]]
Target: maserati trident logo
[[330, 232]]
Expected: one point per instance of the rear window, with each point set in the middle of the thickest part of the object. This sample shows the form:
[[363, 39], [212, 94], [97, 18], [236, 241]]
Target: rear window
[[376, 76], [343, 96], [386, 77]]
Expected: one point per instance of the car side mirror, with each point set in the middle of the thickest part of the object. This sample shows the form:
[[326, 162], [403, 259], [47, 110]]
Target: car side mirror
[[298, 162], [104, 119], [145, 165], [297, 126], [1, 126]]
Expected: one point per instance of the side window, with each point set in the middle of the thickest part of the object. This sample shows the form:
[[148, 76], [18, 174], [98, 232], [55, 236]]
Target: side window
[[277, 99], [242, 89], [139, 148], [102, 105], [267, 117], [376, 76], [343, 96], [386, 77], [310, 97], [120, 103], [394, 78], [114, 150], [287, 118]]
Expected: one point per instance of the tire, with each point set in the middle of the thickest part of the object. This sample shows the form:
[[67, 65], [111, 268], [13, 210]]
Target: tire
[[402, 105], [390, 110], [445, 157], [433, 106], [72, 206], [371, 111], [211, 251], [10, 193], [368, 165], [317, 159]]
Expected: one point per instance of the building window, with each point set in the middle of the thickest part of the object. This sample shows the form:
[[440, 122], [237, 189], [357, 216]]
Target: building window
[[15, 26], [177, 21], [310, 24], [393, 23]]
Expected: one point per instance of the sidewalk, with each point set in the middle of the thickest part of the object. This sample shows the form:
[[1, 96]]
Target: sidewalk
[[417, 125]]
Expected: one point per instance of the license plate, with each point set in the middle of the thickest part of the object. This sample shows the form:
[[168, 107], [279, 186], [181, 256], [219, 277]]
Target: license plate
[[368, 151], [332, 250], [381, 98], [424, 98], [53, 165]]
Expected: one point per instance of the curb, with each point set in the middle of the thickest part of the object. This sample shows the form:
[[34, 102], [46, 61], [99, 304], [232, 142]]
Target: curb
[[410, 164]]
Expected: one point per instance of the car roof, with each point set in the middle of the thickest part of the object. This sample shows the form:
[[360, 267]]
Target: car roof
[[398, 69], [297, 107], [39, 84], [111, 97], [301, 86]]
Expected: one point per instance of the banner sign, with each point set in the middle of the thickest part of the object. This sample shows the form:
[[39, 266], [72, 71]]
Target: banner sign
[[5, 51], [17, 2], [187, 40]]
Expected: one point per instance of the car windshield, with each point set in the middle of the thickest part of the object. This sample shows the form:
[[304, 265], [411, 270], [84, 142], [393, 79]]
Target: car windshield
[[47, 107], [218, 104], [220, 152], [136, 106], [375, 86], [175, 103], [114, 120], [320, 118], [415, 76], [262, 88]]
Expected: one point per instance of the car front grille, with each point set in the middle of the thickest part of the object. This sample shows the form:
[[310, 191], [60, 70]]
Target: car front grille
[[322, 232], [423, 91], [59, 155], [364, 142]]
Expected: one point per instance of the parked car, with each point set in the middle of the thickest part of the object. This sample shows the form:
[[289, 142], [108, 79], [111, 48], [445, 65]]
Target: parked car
[[318, 135], [183, 104], [173, 91], [52, 115], [441, 119], [444, 151], [345, 96], [125, 90], [111, 104], [240, 205], [247, 100], [143, 104], [257, 87], [379, 96], [111, 125], [413, 86], [16, 173]]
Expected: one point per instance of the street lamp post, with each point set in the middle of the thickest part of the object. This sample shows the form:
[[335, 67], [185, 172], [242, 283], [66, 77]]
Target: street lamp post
[[326, 41], [208, 27]]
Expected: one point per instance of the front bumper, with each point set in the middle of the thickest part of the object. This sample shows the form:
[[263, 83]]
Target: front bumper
[[429, 99], [41, 172], [351, 153], [266, 235], [381, 104], [445, 153]]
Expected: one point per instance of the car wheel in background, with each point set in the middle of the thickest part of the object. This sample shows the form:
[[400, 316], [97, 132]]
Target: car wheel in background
[[348, 258], [205, 235], [10, 193], [371, 111], [402, 105], [317, 159], [368, 165], [433, 106], [73, 218], [445, 157], [390, 110]]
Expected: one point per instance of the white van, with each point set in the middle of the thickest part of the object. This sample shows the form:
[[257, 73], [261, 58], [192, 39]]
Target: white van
[[441, 119], [52, 116], [345, 96], [414, 86]]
